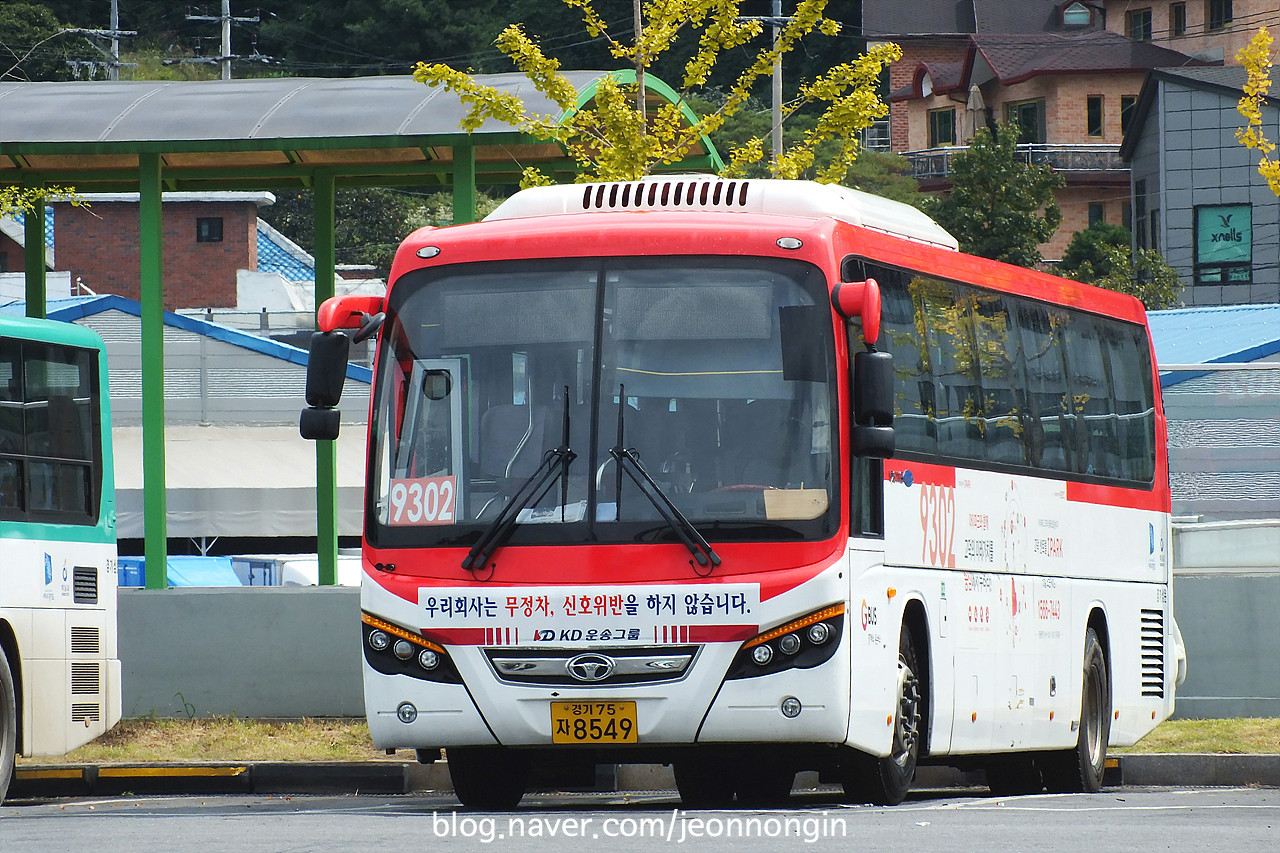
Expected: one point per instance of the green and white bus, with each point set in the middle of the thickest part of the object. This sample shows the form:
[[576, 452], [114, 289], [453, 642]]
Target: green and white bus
[[59, 673]]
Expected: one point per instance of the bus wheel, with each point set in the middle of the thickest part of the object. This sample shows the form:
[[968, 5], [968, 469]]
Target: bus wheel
[[885, 781], [487, 778], [1080, 770], [703, 784], [1008, 775], [8, 726]]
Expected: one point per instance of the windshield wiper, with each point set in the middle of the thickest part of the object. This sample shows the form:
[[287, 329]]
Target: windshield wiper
[[628, 461], [554, 463]]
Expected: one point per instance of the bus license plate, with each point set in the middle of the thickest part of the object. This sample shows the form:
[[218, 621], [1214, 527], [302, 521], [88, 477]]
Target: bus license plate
[[593, 722]]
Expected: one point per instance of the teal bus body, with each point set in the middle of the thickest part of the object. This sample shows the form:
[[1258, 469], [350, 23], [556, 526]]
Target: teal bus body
[[59, 670]]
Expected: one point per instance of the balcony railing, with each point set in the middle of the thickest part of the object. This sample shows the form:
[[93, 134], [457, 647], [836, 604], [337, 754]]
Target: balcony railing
[[935, 163]]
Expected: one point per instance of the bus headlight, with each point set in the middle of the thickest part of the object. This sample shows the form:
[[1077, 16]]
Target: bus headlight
[[805, 642], [819, 633], [394, 650]]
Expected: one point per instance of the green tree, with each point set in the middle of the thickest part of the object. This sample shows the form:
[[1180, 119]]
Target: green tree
[[369, 223], [612, 139], [1100, 255], [1256, 60], [1000, 206], [31, 47], [1091, 246], [23, 200]]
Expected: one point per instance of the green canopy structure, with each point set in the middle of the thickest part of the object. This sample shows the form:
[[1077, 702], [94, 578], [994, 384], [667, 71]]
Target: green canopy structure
[[153, 137]]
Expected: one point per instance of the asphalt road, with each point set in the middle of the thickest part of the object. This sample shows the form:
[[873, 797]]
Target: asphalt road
[[1239, 820]]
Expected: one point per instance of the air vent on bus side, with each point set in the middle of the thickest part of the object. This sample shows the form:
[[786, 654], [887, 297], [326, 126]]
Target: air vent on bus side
[[666, 194], [1152, 640], [86, 712], [85, 640], [86, 679], [85, 585]]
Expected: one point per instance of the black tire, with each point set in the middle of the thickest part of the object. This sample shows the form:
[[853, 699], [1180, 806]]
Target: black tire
[[8, 726], [886, 781], [1080, 769], [1010, 775], [487, 778], [704, 784]]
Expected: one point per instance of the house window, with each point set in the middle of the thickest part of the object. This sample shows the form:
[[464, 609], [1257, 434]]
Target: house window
[[1127, 103], [1224, 244], [1097, 213], [209, 229], [1077, 15], [1028, 116], [1220, 14], [942, 128], [1137, 24], [1140, 214], [1094, 111], [1178, 20]]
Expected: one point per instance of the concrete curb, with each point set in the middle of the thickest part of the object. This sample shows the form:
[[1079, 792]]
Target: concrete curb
[[394, 777]]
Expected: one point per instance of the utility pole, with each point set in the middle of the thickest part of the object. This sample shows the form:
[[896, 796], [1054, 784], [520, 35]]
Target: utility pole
[[225, 57], [115, 33], [776, 22]]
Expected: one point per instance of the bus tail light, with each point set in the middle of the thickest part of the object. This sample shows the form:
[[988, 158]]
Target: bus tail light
[[800, 644]]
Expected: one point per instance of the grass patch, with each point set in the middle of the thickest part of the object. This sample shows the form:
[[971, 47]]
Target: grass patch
[[232, 739], [1213, 736], [229, 739]]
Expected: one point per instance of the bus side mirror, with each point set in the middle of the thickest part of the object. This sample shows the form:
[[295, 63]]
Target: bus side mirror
[[326, 373], [872, 433]]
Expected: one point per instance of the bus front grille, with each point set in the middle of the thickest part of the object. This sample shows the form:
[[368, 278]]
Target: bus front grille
[[591, 667]]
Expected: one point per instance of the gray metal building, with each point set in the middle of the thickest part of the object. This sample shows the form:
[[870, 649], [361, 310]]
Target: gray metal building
[[1197, 196]]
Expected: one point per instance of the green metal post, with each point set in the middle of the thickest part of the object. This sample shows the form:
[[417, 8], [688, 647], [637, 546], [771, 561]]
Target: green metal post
[[326, 451], [155, 504], [34, 256], [464, 184]]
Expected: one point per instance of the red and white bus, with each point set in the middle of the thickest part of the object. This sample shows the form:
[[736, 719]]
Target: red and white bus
[[633, 497]]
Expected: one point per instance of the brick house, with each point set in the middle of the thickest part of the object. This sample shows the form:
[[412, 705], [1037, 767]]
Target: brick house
[[1071, 96], [207, 238], [1209, 29], [1054, 68]]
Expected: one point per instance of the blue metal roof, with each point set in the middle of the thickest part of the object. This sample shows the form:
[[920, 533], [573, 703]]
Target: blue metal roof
[[77, 307], [1210, 334], [273, 257]]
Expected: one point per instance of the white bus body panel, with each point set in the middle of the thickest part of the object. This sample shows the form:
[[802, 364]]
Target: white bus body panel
[[77, 681]]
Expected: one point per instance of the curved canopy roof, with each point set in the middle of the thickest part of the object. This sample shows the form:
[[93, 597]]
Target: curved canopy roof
[[274, 131]]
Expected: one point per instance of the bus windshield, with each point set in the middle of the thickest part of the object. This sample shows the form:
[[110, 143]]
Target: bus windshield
[[714, 375]]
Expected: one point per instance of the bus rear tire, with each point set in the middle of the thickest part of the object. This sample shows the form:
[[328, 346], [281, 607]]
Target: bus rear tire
[[886, 781], [488, 778], [8, 726], [1080, 769]]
